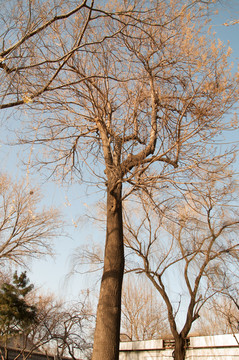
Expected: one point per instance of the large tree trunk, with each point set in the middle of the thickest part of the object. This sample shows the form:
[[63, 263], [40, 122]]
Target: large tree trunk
[[107, 332], [180, 348]]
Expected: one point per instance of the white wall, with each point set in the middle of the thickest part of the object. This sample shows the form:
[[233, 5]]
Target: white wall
[[218, 347]]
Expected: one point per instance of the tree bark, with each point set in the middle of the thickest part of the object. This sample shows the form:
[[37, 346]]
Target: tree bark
[[107, 331], [180, 348]]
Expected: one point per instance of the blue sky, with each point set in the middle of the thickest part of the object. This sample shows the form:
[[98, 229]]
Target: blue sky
[[75, 201]]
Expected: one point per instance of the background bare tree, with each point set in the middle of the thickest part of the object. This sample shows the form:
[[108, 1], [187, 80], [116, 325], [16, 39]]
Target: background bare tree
[[144, 315], [25, 230], [131, 95], [219, 316], [57, 329], [64, 329], [188, 251]]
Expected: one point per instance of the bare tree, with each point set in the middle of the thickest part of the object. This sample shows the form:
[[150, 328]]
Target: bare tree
[[133, 95], [229, 313], [64, 329], [188, 252], [29, 32], [143, 314], [219, 316], [59, 329], [25, 231]]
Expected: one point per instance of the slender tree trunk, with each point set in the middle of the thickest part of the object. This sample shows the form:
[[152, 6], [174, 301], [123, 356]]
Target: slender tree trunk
[[107, 332], [180, 348]]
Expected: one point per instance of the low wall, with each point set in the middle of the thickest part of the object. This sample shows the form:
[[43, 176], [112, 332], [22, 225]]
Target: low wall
[[217, 347]]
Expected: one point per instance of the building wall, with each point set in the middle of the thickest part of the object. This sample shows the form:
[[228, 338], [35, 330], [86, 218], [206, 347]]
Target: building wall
[[18, 354], [218, 347]]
